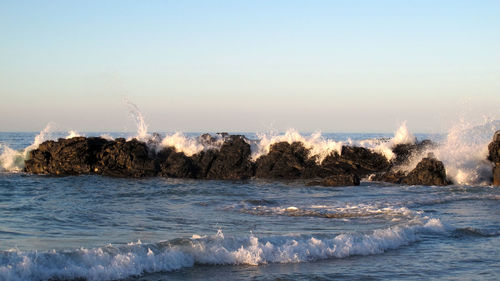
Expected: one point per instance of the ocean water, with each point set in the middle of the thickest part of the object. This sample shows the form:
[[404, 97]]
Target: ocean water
[[102, 228]]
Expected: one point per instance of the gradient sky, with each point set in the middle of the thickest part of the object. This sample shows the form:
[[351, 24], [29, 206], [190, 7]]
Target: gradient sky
[[335, 66]]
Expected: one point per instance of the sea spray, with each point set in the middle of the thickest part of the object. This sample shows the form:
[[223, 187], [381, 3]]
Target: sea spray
[[318, 145], [191, 145], [140, 122], [464, 152], [384, 146], [117, 262], [13, 160], [73, 134]]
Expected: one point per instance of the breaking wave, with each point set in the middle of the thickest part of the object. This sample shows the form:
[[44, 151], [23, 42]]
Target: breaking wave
[[116, 262]]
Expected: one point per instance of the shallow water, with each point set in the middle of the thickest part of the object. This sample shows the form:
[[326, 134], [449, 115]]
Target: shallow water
[[101, 228]]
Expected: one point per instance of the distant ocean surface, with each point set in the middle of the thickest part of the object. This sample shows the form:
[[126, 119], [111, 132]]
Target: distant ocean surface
[[102, 228]]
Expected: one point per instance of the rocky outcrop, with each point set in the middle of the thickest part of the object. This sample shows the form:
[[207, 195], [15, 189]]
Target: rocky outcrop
[[65, 157], [82, 155], [226, 157], [429, 171]]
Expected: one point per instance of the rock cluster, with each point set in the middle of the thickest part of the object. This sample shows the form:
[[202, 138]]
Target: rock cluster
[[231, 160]]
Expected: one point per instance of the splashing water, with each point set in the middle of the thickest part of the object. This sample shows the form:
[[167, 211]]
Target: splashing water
[[190, 145], [403, 136], [316, 143], [142, 126], [465, 150], [13, 160], [384, 147], [73, 134]]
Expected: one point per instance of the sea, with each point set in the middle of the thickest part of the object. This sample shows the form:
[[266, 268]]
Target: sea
[[92, 227]]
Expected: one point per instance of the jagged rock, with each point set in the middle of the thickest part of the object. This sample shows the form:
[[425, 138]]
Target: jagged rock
[[231, 161], [429, 171], [126, 159], [338, 180], [65, 157], [81, 155], [391, 176], [357, 160], [174, 164], [403, 152], [227, 158], [284, 161]]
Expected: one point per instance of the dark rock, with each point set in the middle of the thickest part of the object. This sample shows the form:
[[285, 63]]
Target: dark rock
[[357, 160], [429, 171], [154, 140], [65, 157], [126, 159], [175, 164], [391, 176], [284, 161], [494, 151], [231, 161], [403, 152], [338, 180], [207, 140]]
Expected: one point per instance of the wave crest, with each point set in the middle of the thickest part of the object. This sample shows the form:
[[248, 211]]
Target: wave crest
[[110, 262]]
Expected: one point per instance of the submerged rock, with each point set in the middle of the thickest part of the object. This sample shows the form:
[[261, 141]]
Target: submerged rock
[[338, 180]]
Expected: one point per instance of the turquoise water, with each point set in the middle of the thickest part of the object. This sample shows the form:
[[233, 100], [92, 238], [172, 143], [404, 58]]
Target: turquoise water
[[100, 228]]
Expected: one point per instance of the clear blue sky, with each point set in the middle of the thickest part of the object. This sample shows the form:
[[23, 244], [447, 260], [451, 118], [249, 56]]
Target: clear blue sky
[[336, 66]]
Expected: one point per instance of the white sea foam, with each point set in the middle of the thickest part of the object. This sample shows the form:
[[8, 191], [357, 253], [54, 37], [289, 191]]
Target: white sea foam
[[12, 160], [110, 262], [72, 134], [384, 147], [316, 143], [191, 145], [465, 150]]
